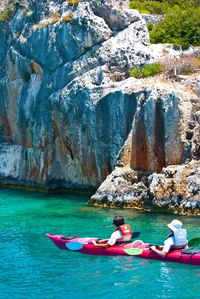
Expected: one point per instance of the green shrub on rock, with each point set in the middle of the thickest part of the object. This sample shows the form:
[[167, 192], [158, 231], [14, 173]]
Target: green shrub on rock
[[161, 6], [73, 2], [147, 70], [179, 27], [68, 17], [7, 13], [182, 3], [149, 7], [181, 24]]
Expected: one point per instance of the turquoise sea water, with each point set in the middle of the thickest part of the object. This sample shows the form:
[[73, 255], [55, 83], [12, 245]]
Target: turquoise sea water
[[31, 266]]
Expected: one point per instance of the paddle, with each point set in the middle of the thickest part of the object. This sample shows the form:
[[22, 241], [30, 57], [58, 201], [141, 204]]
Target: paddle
[[135, 234], [133, 251], [195, 242], [74, 245]]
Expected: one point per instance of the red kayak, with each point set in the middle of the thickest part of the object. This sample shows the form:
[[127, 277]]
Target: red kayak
[[85, 245]]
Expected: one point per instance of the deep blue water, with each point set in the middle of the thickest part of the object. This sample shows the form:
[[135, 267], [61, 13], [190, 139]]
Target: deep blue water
[[33, 267]]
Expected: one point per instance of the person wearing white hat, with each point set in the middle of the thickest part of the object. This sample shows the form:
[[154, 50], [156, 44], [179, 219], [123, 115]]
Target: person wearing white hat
[[176, 239]]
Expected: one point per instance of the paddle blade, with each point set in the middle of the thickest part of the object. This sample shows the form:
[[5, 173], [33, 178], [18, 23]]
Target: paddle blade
[[133, 251], [74, 245], [195, 242], [135, 234]]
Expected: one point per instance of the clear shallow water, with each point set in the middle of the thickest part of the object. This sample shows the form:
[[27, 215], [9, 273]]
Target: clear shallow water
[[32, 267]]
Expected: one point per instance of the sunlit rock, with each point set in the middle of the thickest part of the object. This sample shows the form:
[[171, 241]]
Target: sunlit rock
[[70, 116]]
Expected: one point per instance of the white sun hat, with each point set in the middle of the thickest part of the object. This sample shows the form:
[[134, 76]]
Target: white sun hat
[[174, 225]]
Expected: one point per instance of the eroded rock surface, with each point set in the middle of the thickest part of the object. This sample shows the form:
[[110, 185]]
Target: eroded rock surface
[[158, 167], [61, 106], [69, 114]]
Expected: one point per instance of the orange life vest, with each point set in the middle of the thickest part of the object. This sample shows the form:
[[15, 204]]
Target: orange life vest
[[126, 232]]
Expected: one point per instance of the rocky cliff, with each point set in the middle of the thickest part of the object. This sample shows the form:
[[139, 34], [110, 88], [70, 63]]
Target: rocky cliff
[[158, 167], [71, 118]]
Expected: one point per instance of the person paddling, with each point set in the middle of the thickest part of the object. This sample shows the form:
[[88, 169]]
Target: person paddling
[[175, 240], [122, 233]]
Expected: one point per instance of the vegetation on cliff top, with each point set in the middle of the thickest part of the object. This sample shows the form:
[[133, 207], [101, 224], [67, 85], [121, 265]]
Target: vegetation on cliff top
[[180, 25], [8, 12], [146, 71], [73, 2], [162, 6], [184, 65]]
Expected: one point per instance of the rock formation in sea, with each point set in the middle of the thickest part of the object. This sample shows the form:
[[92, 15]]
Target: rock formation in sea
[[71, 118]]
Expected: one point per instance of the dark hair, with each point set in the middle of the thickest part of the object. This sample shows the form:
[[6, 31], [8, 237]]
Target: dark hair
[[118, 220]]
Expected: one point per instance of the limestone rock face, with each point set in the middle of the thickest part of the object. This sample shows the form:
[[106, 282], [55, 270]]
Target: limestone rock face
[[158, 168], [115, 13], [70, 116], [62, 110], [156, 126]]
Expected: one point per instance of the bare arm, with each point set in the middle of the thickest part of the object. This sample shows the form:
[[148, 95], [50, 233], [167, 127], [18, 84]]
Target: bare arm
[[110, 242], [104, 245]]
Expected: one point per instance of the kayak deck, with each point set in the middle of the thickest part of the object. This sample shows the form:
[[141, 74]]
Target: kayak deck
[[85, 245]]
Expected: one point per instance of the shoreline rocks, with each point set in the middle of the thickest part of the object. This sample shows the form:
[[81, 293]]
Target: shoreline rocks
[[174, 190]]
